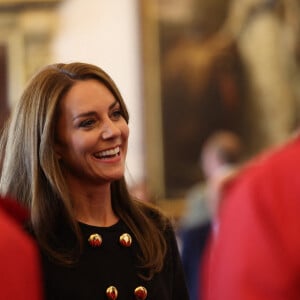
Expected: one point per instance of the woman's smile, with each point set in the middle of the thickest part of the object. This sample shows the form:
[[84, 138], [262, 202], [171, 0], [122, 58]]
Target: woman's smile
[[110, 153], [92, 134]]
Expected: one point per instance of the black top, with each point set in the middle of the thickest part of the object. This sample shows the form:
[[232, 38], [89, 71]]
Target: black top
[[112, 264]]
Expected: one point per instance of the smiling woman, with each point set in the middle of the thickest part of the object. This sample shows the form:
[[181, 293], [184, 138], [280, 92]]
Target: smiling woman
[[64, 153]]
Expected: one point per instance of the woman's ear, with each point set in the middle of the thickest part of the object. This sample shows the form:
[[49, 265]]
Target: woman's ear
[[58, 150]]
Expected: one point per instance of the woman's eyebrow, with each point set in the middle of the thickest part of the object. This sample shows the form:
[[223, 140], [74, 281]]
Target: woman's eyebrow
[[85, 114], [93, 113], [116, 102]]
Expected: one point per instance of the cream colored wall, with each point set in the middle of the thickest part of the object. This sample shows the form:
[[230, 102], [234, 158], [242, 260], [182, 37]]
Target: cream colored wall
[[106, 33]]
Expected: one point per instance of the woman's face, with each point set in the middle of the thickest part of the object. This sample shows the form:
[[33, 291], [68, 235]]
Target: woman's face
[[91, 134]]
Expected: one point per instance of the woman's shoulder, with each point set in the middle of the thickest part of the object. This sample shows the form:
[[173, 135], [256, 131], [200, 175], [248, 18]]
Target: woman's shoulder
[[156, 215]]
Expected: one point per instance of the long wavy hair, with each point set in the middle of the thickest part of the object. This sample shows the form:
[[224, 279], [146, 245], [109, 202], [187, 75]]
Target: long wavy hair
[[32, 173]]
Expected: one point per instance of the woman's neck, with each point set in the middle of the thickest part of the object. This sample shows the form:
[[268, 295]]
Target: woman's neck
[[93, 206]]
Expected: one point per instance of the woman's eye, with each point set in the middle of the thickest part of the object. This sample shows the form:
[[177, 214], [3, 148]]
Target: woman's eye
[[87, 123], [116, 114]]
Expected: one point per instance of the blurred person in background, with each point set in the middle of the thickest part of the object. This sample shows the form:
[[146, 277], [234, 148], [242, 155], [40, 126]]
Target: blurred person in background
[[20, 277], [220, 155], [254, 255]]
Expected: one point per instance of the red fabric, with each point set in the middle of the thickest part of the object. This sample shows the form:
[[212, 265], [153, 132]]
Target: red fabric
[[20, 276], [14, 210], [255, 254]]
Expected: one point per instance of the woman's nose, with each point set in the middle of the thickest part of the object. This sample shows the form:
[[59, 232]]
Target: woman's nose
[[109, 130]]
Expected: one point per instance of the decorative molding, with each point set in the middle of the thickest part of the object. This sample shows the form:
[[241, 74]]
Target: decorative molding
[[26, 29], [20, 5]]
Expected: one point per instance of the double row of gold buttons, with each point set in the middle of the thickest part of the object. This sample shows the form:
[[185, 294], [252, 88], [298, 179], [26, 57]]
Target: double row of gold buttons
[[140, 293]]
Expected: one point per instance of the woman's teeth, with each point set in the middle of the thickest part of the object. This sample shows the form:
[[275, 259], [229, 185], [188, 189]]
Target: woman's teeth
[[108, 153]]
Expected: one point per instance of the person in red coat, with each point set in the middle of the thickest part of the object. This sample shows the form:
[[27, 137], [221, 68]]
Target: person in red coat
[[20, 277], [255, 251]]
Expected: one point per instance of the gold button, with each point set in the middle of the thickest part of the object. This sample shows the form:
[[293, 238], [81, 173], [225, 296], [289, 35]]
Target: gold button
[[95, 240], [125, 240], [112, 292], [140, 293]]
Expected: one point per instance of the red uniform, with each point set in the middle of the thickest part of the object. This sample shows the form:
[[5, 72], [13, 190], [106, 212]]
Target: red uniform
[[20, 277], [255, 253]]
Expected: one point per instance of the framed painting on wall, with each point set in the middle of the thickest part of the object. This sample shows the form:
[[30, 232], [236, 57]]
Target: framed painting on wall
[[193, 87]]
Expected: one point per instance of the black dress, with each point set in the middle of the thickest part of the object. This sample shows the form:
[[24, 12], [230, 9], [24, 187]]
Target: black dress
[[112, 264]]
